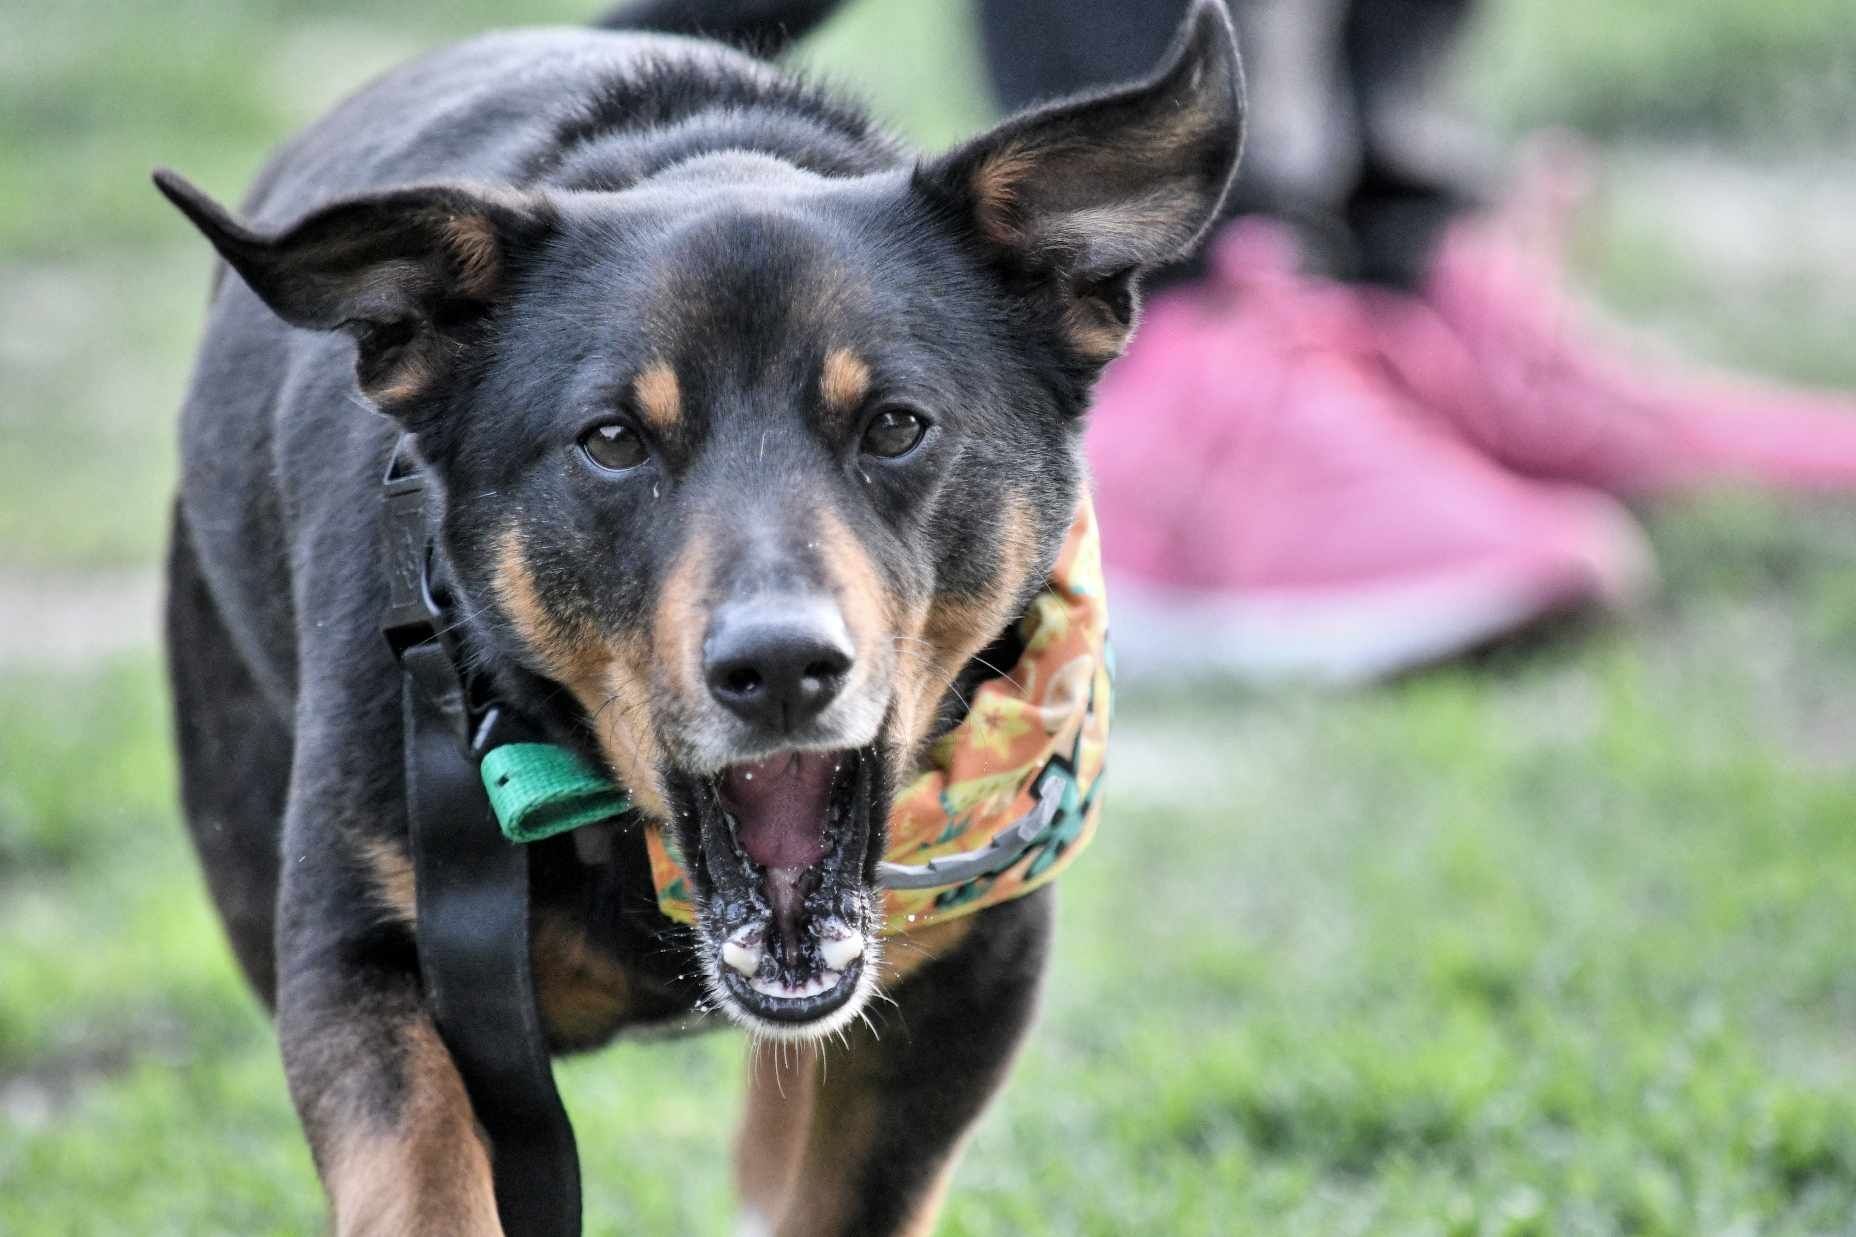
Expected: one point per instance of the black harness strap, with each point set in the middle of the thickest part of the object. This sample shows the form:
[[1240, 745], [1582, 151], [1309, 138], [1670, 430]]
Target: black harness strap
[[473, 898]]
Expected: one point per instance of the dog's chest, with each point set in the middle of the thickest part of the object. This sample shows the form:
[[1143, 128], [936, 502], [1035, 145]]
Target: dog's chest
[[604, 958]]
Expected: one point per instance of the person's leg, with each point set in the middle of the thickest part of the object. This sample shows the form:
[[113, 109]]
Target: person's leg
[[1415, 162], [1048, 49]]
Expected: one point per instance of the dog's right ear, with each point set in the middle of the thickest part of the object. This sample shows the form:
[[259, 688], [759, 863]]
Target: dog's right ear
[[405, 272]]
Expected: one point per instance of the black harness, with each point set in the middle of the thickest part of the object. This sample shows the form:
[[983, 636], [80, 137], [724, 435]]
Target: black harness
[[473, 889]]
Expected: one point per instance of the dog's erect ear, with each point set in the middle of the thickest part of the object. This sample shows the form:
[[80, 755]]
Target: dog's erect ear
[[405, 271], [1093, 191]]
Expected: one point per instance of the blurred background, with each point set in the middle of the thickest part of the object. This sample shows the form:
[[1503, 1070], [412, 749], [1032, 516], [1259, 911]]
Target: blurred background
[[1557, 938]]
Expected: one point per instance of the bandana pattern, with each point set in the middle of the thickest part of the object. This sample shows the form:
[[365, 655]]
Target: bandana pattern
[[1050, 716]]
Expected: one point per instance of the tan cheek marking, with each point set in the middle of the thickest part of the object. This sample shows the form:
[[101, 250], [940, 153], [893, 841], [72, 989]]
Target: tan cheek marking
[[659, 397], [953, 630], [869, 610], [677, 632], [610, 679], [621, 708], [843, 382], [885, 636], [570, 654], [430, 1173]]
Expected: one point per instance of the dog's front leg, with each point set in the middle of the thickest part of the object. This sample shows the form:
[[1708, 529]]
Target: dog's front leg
[[387, 1116], [884, 1121]]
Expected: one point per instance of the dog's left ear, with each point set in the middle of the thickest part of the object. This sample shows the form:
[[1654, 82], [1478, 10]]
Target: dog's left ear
[[1084, 196], [406, 272]]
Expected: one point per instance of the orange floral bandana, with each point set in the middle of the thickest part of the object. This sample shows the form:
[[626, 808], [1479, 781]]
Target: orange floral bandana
[[1043, 725]]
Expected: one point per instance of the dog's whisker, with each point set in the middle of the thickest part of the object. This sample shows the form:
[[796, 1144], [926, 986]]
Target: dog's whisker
[[941, 676]]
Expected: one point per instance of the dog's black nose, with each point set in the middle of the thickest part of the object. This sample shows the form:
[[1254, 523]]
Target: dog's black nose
[[777, 663]]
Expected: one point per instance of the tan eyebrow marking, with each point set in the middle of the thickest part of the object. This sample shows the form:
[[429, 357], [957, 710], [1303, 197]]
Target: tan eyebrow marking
[[659, 396], [843, 382]]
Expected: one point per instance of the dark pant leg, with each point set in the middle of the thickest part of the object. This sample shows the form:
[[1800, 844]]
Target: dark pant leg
[[1046, 49], [1393, 53]]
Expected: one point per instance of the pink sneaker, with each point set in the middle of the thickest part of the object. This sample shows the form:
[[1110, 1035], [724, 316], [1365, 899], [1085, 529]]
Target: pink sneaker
[[1496, 350], [1272, 506]]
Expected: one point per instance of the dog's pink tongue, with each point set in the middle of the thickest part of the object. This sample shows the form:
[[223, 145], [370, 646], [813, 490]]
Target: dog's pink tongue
[[779, 807]]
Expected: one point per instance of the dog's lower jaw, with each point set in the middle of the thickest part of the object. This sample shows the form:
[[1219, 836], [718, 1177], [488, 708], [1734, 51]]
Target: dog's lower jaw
[[788, 913], [723, 1001]]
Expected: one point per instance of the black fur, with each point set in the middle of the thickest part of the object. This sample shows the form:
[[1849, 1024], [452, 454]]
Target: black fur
[[496, 246]]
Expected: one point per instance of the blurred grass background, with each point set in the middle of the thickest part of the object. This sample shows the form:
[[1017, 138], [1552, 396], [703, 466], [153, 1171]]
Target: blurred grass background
[[1555, 941]]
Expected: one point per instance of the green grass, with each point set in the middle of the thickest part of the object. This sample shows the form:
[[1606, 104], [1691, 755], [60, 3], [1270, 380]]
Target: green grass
[[1760, 74], [1554, 941]]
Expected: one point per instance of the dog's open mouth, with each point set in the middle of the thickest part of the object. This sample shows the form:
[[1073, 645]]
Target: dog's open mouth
[[786, 843]]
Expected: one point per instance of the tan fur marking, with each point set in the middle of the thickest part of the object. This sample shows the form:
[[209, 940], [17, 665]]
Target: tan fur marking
[[473, 242], [659, 397], [584, 994], [610, 678], [389, 868], [843, 382], [411, 377], [836, 1149], [1029, 194], [995, 184], [953, 630], [869, 609], [676, 637], [622, 714], [1093, 331], [773, 1129], [873, 617], [430, 1173], [569, 654], [845, 1106]]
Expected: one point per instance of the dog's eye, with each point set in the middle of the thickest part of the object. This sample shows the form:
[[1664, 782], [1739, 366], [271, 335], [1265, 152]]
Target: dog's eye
[[614, 447], [894, 432]]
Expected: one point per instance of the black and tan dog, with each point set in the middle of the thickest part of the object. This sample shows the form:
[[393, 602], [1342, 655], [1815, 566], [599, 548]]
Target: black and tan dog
[[753, 432]]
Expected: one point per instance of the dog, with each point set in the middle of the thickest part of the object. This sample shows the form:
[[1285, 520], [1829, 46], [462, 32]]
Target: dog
[[751, 434]]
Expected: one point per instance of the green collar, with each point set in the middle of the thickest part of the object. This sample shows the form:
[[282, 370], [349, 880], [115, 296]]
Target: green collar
[[540, 789]]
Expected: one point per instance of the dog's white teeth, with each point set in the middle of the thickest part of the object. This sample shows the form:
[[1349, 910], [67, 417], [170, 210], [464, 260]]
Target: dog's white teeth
[[743, 951], [741, 958], [818, 985], [838, 945]]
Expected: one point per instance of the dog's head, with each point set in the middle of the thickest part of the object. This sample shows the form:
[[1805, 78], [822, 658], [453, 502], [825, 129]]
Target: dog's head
[[752, 462]]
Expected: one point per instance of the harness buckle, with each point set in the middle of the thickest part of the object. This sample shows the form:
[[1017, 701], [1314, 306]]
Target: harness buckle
[[411, 615]]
